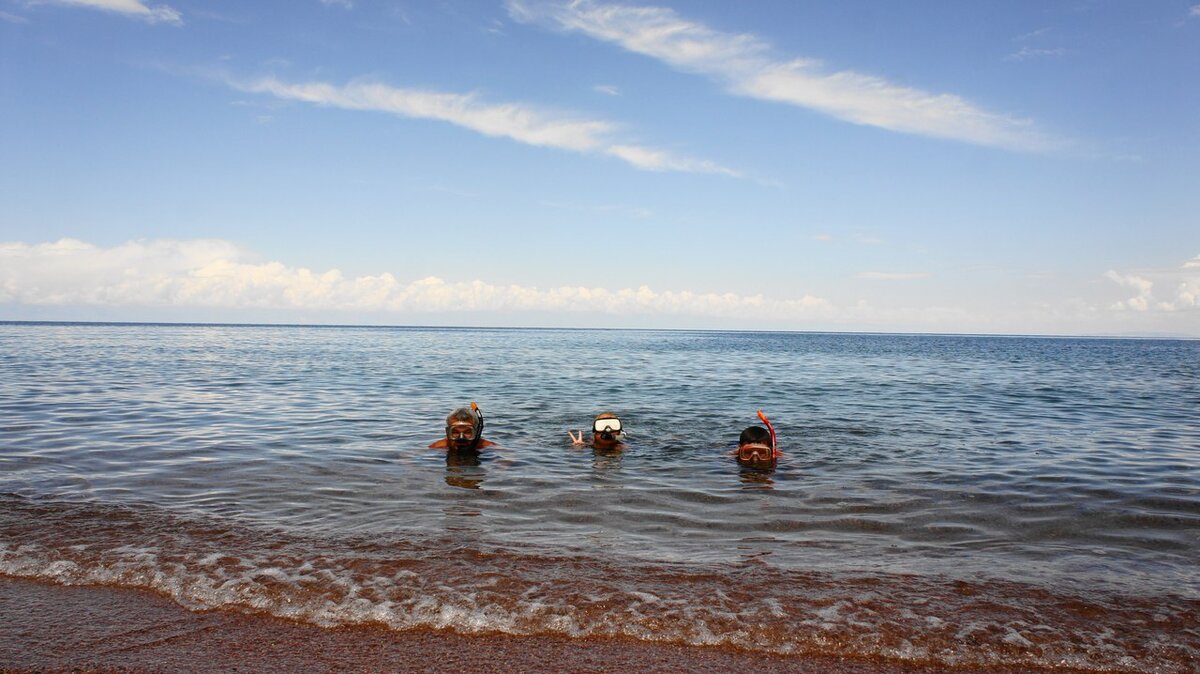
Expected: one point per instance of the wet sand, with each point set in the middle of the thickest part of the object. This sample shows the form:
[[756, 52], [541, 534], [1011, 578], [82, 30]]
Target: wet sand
[[45, 627]]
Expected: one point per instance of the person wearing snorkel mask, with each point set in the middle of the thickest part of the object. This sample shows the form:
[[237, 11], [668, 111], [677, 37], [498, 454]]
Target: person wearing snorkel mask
[[606, 433], [464, 431], [757, 446]]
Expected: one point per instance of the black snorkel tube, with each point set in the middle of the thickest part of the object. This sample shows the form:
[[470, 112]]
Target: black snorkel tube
[[479, 424]]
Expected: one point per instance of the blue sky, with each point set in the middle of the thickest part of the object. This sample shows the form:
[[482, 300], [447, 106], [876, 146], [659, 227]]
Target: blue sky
[[997, 167]]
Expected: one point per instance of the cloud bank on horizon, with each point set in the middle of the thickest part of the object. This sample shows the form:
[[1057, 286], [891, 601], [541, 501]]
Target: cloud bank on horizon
[[1183, 293], [746, 66], [216, 274]]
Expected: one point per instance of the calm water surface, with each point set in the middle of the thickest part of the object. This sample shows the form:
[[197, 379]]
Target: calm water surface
[[960, 499]]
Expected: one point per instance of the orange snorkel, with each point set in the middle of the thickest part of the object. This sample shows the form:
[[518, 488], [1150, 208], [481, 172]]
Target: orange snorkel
[[774, 442]]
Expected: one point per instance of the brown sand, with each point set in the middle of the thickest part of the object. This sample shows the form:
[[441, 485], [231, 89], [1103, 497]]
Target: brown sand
[[46, 627]]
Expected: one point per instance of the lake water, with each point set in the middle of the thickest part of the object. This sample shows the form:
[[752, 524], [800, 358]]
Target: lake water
[[948, 499]]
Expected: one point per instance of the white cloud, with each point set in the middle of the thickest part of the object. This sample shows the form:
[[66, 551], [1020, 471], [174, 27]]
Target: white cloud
[[1194, 11], [608, 89], [520, 122], [1142, 286], [891, 275], [217, 274], [745, 65], [132, 8], [344, 4], [658, 160], [1184, 283]]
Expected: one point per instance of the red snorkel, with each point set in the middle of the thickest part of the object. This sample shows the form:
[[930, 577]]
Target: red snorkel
[[774, 443]]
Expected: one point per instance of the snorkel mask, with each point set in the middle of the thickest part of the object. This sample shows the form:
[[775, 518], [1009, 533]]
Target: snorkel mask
[[607, 428], [756, 453], [464, 428]]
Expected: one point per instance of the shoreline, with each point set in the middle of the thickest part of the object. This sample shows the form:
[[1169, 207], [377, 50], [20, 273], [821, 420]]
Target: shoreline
[[46, 627]]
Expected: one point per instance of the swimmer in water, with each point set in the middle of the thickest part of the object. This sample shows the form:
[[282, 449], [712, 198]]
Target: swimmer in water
[[464, 431], [757, 446], [606, 433]]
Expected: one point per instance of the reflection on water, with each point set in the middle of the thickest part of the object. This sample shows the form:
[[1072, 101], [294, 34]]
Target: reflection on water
[[756, 478], [464, 470], [607, 460]]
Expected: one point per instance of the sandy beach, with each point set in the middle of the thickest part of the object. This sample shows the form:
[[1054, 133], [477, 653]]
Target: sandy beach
[[48, 628]]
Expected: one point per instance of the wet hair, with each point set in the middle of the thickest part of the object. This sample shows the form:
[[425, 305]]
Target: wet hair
[[462, 415], [756, 434]]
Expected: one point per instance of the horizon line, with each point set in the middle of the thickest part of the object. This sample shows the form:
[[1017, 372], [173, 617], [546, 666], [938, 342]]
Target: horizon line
[[379, 326]]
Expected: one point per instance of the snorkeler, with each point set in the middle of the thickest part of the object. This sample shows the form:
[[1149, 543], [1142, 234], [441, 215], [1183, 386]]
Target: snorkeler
[[606, 432], [464, 431], [758, 446]]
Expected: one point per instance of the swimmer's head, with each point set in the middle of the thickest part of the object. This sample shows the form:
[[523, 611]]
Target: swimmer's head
[[755, 448], [606, 431], [464, 428]]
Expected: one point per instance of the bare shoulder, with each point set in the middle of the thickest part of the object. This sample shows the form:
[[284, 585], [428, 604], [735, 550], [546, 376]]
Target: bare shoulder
[[484, 443], [440, 444]]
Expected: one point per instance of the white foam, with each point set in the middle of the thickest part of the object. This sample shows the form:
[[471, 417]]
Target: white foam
[[327, 591]]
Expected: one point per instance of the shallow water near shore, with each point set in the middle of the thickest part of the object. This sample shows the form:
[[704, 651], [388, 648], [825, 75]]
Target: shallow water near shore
[[961, 500]]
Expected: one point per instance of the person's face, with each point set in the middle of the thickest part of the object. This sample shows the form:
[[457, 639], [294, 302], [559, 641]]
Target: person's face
[[461, 436], [606, 433]]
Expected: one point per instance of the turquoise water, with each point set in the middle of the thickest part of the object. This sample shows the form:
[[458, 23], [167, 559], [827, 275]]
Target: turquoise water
[[286, 470]]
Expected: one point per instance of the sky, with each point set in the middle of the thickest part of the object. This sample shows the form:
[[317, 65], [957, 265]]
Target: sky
[[1001, 167]]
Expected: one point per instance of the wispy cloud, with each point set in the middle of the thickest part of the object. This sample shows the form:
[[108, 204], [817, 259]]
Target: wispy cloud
[[659, 160], [608, 89], [746, 66], [891, 275], [520, 122], [218, 274], [344, 4], [1031, 34], [132, 8], [12, 18], [1194, 11], [636, 212], [1026, 53]]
